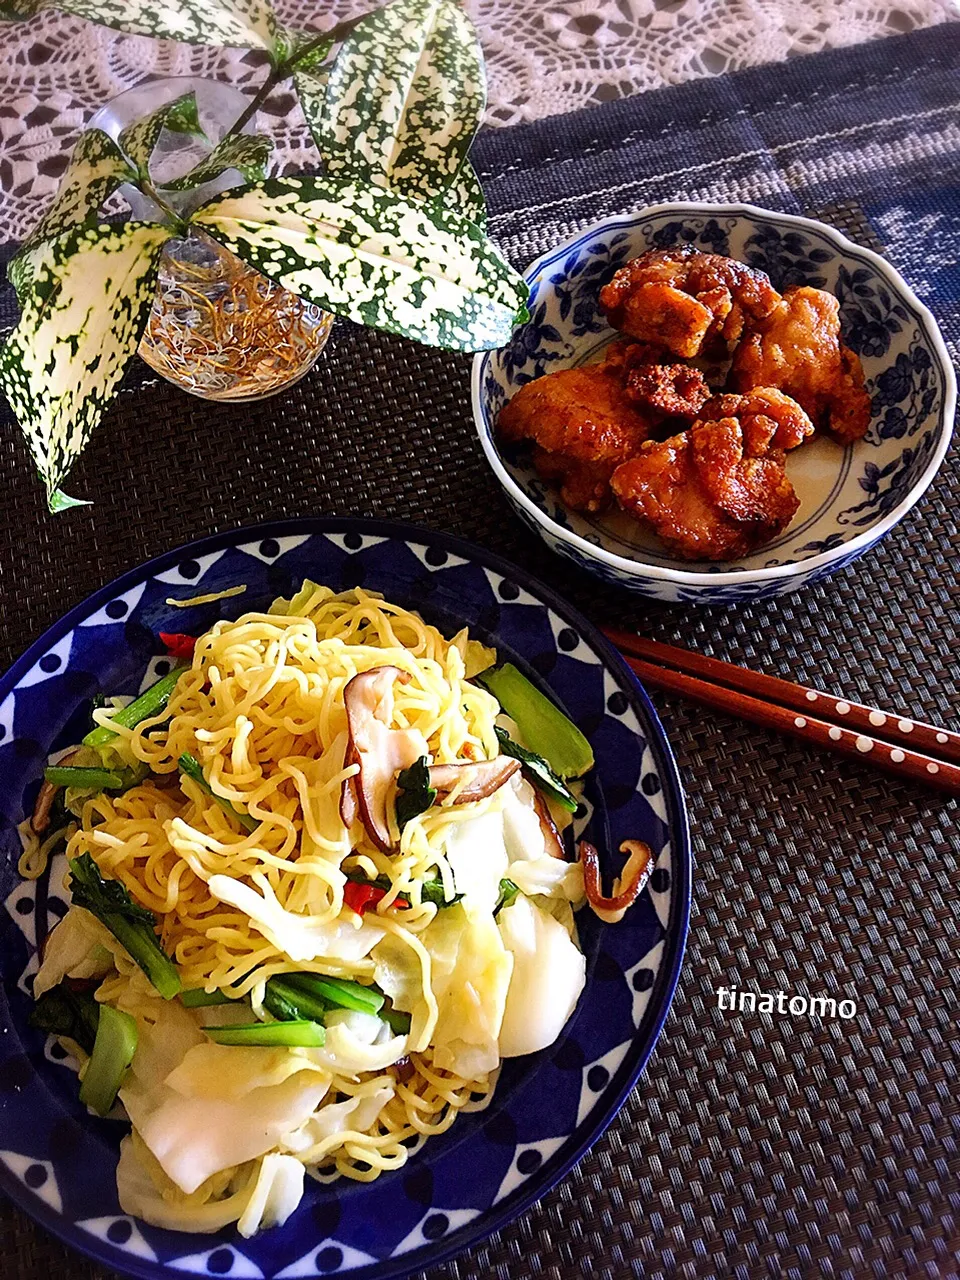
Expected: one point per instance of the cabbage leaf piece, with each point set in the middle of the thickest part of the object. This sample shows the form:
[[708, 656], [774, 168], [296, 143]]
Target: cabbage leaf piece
[[298, 606], [301, 937], [89, 297], [78, 947], [238, 24], [356, 1115], [504, 845], [269, 1191], [399, 973], [549, 973], [470, 976], [217, 1072], [476, 855], [476, 656], [276, 1193], [194, 1137], [374, 257], [358, 1042]]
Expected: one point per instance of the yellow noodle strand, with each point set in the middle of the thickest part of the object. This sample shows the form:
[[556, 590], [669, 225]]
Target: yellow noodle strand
[[261, 708]]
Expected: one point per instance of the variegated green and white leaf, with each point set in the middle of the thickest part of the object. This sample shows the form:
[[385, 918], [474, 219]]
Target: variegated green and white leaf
[[375, 257], [311, 87], [18, 10], [97, 168], [243, 24], [310, 75], [138, 140], [310, 48], [183, 116], [248, 153], [92, 288], [404, 98], [465, 197]]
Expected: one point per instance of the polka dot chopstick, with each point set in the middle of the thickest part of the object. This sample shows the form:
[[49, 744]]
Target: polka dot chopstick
[[889, 740]]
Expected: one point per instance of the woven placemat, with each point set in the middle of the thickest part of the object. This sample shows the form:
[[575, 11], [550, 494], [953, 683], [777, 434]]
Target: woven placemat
[[754, 1146]]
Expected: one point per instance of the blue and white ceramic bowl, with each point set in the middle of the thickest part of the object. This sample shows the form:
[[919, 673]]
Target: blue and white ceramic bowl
[[850, 497], [59, 1163]]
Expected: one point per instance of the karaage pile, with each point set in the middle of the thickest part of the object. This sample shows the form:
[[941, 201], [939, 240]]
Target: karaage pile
[[704, 471]]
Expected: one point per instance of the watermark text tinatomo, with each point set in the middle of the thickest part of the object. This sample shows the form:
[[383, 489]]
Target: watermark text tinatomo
[[734, 1001]]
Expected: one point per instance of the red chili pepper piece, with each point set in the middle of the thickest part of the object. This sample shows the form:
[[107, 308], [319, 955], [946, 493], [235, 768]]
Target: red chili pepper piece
[[364, 897], [177, 645]]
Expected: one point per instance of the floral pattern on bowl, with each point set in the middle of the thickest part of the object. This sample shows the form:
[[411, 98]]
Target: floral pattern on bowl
[[850, 497]]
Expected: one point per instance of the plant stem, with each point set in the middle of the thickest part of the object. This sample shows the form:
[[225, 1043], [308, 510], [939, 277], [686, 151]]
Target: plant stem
[[254, 105], [150, 191], [285, 69]]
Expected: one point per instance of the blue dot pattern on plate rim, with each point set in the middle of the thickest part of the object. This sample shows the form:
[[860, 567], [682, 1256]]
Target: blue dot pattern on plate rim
[[59, 1163], [902, 357]]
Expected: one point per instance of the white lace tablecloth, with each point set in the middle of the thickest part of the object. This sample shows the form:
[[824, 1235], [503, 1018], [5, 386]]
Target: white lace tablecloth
[[543, 56]]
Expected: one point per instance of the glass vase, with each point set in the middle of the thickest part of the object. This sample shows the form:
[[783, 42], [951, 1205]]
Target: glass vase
[[218, 328]]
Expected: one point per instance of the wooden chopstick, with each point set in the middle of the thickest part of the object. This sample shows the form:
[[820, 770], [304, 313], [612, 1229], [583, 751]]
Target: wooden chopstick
[[899, 744]]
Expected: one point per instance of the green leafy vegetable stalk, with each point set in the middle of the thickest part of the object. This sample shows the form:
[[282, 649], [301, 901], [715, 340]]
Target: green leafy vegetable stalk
[[392, 235], [113, 1050], [190, 767], [152, 702], [399, 1023], [65, 775], [545, 730], [339, 993], [297, 1033], [197, 998], [286, 1004], [538, 771], [309, 997], [66, 1011], [430, 890], [133, 926], [415, 793], [508, 891]]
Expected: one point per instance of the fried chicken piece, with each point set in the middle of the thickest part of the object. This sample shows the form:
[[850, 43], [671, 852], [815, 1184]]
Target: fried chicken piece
[[624, 354], [754, 491], [654, 380], [676, 390], [769, 419], [718, 490], [583, 427], [686, 300], [702, 498], [798, 348], [584, 486]]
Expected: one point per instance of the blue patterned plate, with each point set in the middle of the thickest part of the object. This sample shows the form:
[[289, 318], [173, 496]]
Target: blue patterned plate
[[849, 497], [58, 1162]]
